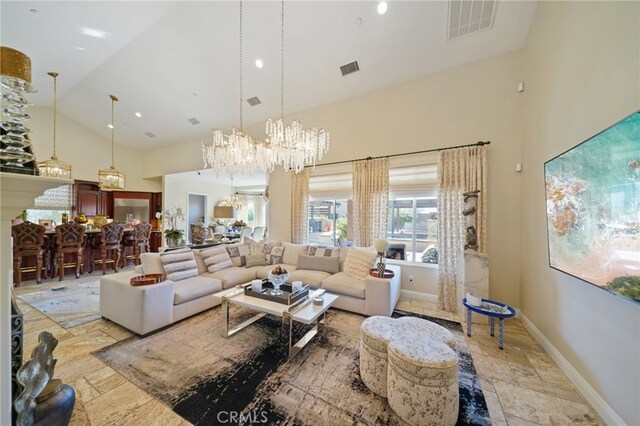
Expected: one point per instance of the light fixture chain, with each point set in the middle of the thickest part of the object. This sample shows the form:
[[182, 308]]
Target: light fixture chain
[[55, 89], [282, 63], [113, 126], [241, 125]]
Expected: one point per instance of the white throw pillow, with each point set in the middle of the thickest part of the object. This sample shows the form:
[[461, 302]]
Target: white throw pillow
[[358, 263], [202, 267], [291, 252], [255, 247], [179, 264], [216, 258], [151, 263]]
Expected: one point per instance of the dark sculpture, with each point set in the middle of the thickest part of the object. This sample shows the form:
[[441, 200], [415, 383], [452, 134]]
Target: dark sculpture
[[469, 211]]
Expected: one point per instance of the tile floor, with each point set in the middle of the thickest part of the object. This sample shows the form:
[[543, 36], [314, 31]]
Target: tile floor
[[522, 384]]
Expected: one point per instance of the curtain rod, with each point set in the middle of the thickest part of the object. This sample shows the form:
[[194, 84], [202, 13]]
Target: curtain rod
[[257, 194], [479, 143]]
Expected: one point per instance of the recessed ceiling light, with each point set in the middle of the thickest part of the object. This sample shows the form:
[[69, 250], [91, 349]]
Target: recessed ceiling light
[[359, 20], [259, 63], [382, 7], [110, 126], [92, 32], [138, 115], [82, 49], [34, 11]]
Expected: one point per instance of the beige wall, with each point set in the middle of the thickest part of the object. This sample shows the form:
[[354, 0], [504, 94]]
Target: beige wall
[[85, 151], [477, 101], [582, 75]]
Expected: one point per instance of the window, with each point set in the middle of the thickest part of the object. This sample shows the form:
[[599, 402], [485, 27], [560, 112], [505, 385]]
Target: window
[[412, 229], [328, 221]]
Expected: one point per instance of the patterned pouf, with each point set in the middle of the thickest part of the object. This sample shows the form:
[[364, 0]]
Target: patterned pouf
[[422, 381], [423, 329], [375, 333]]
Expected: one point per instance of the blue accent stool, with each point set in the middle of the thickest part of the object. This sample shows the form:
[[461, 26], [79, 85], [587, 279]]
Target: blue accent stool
[[493, 310]]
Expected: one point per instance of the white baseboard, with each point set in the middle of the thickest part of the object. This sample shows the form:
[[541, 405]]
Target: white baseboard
[[605, 411], [410, 294]]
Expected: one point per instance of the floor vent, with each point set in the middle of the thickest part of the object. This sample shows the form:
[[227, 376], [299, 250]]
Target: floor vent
[[254, 101], [470, 16], [193, 121], [350, 68], [151, 135]]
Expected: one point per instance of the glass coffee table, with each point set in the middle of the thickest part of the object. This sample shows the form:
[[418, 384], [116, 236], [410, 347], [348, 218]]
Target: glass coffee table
[[493, 310], [304, 311]]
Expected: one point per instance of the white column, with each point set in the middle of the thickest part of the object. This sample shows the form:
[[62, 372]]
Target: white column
[[476, 281]]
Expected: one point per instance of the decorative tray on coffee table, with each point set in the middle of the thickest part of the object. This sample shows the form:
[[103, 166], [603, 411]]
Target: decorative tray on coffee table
[[288, 296]]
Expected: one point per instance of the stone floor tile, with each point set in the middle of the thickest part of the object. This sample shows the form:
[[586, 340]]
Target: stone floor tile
[[111, 407]]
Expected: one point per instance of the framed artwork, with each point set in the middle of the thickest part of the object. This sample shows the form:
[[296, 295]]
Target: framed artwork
[[593, 209]]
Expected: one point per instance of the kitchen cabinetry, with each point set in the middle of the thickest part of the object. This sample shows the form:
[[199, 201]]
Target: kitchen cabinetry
[[90, 200]]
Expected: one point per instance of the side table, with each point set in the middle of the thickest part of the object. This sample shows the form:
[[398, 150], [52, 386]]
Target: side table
[[493, 310]]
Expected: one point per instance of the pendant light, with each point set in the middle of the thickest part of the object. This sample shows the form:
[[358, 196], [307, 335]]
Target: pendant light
[[111, 178], [54, 167]]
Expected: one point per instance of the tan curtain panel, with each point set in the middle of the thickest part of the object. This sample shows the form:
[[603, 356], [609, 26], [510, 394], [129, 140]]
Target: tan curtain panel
[[300, 207], [370, 200], [459, 171]]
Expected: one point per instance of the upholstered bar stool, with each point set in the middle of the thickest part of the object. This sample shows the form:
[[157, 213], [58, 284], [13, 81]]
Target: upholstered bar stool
[[110, 238], [70, 239], [138, 241], [28, 241]]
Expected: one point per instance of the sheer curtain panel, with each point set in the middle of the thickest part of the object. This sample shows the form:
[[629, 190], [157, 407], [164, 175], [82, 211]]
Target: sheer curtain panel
[[300, 207], [370, 200]]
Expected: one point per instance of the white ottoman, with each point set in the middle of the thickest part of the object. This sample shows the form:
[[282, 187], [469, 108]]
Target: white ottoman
[[375, 333], [422, 381], [423, 329]]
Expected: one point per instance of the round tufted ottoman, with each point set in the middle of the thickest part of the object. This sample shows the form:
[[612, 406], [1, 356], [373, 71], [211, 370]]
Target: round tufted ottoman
[[375, 333], [423, 329], [422, 381]]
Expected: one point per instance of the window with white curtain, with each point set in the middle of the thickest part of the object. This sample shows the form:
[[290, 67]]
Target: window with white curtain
[[52, 204], [253, 210]]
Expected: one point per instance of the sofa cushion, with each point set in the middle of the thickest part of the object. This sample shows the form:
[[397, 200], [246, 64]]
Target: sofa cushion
[[202, 267], [179, 264], [317, 263], [341, 283], [358, 263], [309, 277], [151, 263], [216, 258], [195, 287], [324, 251], [255, 247], [262, 271], [236, 251], [233, 276], [257, 259], [291, 252], [273, 254]]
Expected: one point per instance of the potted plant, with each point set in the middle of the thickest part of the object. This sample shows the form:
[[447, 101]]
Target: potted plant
[[173, 237]]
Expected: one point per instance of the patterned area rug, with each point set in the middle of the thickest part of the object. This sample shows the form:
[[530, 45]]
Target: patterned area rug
[[69, 305], [245, 379]]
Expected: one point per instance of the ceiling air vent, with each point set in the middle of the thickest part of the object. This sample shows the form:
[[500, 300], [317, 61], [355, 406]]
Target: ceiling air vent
[[470, 16], [193, 121], [254, 101], [349, 68], [151, 135]]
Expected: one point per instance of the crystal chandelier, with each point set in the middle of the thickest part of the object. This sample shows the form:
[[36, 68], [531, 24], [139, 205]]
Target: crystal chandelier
[[237, 152], [111, 178], [54, 167], [291, 145]]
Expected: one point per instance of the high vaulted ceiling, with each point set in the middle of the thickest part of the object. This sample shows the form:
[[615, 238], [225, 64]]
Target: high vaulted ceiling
[[171, 61]]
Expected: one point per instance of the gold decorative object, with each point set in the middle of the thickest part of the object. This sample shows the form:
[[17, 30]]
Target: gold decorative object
[[54, 167], [14, 63], [100, 220], [111, 178]]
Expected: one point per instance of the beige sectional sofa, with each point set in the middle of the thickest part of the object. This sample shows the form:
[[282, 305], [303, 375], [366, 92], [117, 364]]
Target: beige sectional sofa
[[145, 309]]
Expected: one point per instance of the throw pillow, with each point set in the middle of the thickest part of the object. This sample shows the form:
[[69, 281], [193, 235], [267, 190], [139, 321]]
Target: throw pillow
[[324, 251], [255, 247], [179, 264], [236, 251], [291, 252], [202, 267], [273, 254], [249, 260], [358, 263], [151, 263], [216, 258], [318, 263]]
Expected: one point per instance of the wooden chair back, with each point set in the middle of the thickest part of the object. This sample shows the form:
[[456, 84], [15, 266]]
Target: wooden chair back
[[27, 237]]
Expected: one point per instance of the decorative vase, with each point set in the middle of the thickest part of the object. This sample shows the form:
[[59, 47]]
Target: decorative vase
[[381, 265], [277, 281], [56, 408]]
